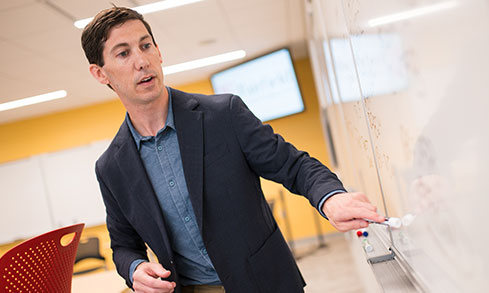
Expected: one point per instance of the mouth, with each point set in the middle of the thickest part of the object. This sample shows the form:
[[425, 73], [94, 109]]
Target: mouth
[[146, 79]]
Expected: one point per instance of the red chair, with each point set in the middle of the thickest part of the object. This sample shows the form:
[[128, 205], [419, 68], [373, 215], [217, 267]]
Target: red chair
[[41, 264]]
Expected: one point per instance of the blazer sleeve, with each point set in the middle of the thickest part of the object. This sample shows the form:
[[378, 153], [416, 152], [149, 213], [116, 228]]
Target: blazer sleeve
[[271, 157], [125, 243]]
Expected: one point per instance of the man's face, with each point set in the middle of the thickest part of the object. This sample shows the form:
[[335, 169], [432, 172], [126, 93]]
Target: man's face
[[132, 64]]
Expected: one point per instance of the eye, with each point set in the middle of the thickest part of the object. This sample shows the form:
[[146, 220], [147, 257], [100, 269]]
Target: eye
[[123, 53], [147, 46]]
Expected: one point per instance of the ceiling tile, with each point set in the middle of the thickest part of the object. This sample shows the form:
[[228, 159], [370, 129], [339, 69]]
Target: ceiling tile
[[57, 40], [10, 83], [42, 52], [16, 61], [295, 20], [197, 23], [7, 5], [29, 20], [88, 8], [238, 5]]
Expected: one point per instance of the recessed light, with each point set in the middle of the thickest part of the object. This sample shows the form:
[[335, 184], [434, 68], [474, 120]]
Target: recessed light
[[33, 100], [234, 55], [145, 9]]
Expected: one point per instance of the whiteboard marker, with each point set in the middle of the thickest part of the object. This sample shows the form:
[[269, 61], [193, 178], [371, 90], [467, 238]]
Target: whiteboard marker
[[392, 222]]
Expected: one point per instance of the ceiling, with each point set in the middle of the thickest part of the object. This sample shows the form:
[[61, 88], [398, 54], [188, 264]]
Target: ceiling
[[41, 52]]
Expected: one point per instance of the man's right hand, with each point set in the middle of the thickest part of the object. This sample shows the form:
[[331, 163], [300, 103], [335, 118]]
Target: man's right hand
[[146, 278]]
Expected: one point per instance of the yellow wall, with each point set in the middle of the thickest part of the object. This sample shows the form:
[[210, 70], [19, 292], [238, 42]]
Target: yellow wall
[[60, 130], [101, 121]]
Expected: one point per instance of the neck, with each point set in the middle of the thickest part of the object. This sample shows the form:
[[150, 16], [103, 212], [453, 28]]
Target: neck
[[149, 118]]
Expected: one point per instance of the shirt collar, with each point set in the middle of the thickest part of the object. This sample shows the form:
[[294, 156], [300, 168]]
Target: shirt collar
[[138, 138]]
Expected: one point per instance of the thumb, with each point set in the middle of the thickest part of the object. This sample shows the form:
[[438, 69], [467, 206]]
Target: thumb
[[156, 270]]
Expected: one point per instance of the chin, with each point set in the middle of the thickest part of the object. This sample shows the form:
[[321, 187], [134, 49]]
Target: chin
[[150, 97]]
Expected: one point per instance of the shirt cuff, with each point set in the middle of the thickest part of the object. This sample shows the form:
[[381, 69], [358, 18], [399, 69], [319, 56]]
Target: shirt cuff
[[133, 266], [323, 200]]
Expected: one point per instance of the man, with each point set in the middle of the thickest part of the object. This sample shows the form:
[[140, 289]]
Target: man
[[182, 176]]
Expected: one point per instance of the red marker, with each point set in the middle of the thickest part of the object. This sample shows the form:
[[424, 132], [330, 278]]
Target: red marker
[[359, 233]]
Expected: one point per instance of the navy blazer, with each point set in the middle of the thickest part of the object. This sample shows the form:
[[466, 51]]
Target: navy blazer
[[224, 150]]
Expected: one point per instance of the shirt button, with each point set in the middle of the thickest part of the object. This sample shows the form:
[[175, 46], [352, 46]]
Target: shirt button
[[187, 218], [204, 251], [160, 147], [171, 183]]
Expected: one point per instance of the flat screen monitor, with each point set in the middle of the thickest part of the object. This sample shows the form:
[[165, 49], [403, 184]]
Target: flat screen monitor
[[267, 84]]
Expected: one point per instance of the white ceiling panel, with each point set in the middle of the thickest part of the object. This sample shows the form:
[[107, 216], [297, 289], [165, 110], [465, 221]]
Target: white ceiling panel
[[18, 64], [8, 83], [193, 31], [58, 39], [12, 4], [142, 2], [87, 8], [42, 51], [238, 5], [295, 25], [28, 20]]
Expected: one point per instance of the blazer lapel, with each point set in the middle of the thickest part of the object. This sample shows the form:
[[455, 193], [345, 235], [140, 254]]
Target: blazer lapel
[[189, 125], [138, 183]]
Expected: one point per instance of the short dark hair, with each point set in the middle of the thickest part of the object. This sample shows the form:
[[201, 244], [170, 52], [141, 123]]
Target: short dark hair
[[96, 32]]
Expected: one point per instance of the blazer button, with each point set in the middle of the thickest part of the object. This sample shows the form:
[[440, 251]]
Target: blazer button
[[171, 261]]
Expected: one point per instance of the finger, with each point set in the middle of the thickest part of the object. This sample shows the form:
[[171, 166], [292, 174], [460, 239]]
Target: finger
[[147, 278], [358, 213], [351, 225], [156, 270], [363, 213], [348, 200], [373, 216], [149, 282]]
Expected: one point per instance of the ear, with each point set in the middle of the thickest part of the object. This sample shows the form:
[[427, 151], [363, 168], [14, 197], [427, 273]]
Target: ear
[[98, 73]]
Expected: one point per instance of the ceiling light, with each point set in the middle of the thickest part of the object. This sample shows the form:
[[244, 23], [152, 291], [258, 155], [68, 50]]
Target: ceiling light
[[204, 62], [145, 9], [411, 13], [33, 100]]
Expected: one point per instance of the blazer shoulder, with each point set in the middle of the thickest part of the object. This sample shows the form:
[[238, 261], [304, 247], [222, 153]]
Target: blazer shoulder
[[108, 155], [201, 101]]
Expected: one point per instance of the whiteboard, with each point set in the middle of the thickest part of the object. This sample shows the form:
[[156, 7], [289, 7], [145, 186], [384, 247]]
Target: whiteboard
[[411, 128], [72, 186], [24, 206], [49, 191]]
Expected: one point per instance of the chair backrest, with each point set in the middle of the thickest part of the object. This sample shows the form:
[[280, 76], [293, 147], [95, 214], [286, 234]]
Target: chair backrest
[[41, 264]]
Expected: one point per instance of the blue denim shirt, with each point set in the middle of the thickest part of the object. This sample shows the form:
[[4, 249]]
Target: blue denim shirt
[[161, 158]]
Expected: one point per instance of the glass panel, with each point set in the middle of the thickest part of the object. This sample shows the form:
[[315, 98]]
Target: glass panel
[[423, 73], [346, 114]]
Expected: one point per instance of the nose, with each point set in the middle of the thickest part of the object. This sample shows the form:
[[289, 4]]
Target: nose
[[141, 60]]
